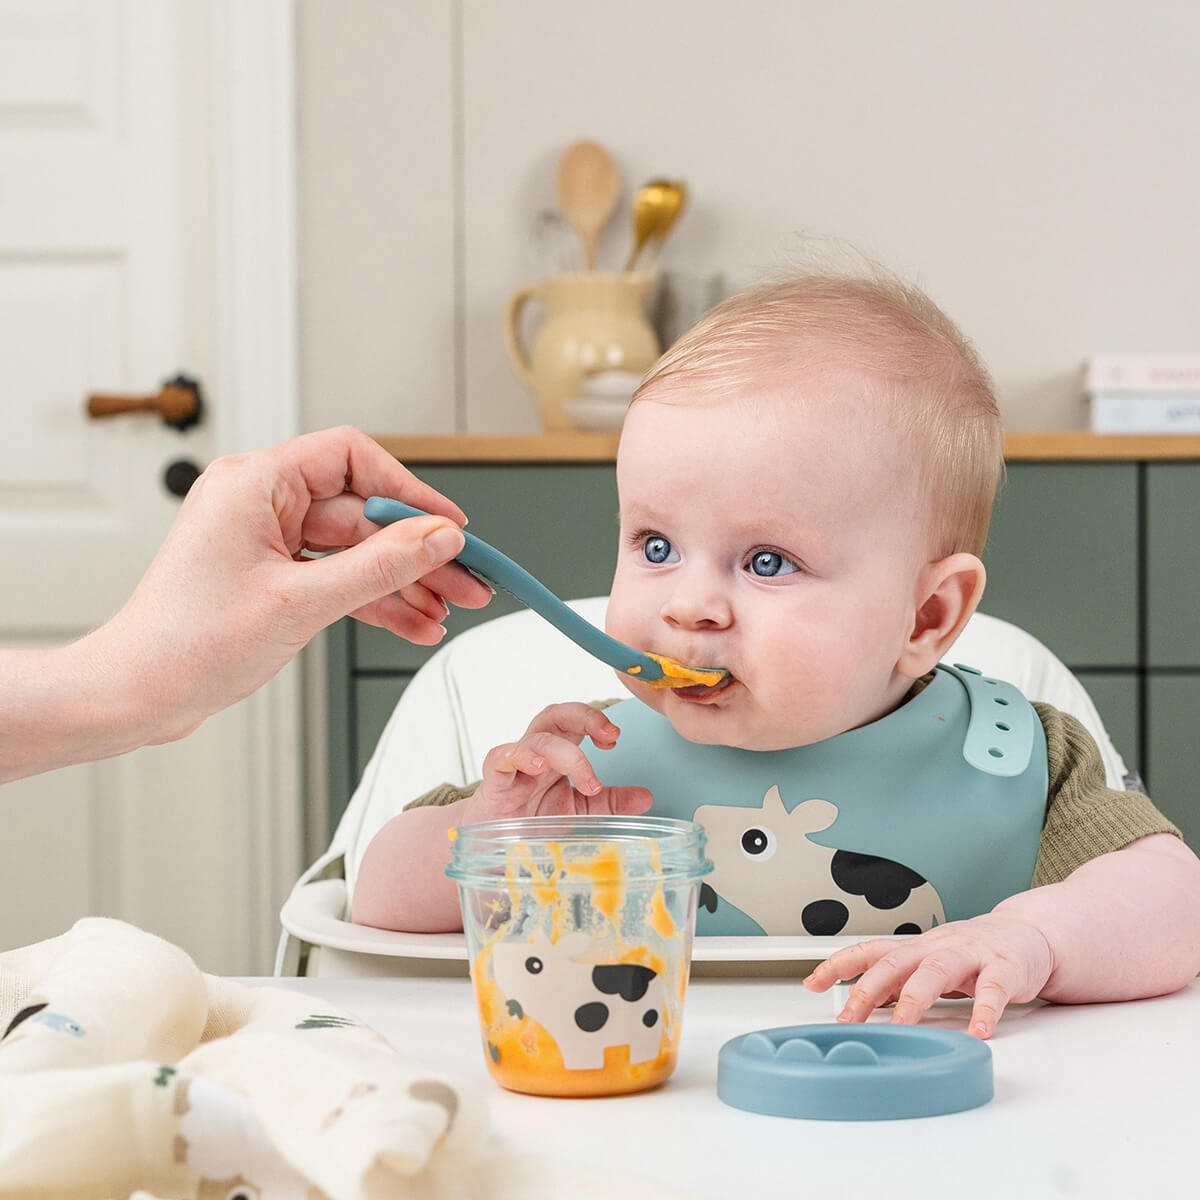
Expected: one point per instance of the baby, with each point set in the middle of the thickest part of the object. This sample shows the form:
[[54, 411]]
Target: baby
[[805, 483]]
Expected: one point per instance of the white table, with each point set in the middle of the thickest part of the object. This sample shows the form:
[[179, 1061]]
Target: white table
[[1094, 1101]]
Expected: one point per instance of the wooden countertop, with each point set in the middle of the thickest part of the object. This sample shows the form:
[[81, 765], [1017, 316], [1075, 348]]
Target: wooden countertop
[[1067, 446]]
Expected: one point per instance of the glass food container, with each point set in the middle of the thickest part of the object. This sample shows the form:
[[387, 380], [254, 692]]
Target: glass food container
[[579, 933]]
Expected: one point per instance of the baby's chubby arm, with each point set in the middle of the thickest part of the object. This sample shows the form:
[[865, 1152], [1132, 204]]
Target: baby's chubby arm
[[1123, 926], [401, 881]]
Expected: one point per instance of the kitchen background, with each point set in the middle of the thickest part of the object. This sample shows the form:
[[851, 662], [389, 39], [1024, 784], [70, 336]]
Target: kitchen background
[[1033, 165]]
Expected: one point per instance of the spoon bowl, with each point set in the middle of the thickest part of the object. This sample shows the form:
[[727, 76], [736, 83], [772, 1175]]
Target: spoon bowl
[[656, 208]]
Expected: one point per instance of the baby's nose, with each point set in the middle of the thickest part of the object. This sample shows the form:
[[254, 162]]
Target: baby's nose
[[696, 605]]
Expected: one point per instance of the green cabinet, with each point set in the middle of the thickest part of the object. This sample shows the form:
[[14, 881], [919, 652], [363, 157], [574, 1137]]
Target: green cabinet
[[1062, 562], [1093, 558]]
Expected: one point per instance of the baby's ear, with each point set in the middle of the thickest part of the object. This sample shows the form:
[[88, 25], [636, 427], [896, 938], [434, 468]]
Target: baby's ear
[[947, 593]]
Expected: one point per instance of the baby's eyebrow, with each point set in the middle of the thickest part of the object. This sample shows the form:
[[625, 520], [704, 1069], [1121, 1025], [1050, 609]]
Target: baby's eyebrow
[[642, 515]]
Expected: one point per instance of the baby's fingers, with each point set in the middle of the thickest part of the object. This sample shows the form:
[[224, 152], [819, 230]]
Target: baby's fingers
[[846, 964], [993, 991], [618, 800], [575, 721], [936, 975], [560, 755]]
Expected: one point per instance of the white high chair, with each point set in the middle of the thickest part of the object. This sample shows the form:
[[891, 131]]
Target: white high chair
[[481, 689]]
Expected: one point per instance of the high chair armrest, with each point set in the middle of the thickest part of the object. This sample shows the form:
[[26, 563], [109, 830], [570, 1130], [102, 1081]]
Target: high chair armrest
[[313, 913]]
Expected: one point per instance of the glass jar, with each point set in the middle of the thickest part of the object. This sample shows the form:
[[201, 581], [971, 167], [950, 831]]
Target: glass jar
[[579, 933]]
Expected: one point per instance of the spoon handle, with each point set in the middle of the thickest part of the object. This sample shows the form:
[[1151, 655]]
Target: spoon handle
[[635, 253], [498, 569]]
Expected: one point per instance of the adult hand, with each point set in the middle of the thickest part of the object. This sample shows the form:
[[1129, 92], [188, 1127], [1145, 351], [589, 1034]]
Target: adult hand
[[232, 594], [996, 958], [546, 773]]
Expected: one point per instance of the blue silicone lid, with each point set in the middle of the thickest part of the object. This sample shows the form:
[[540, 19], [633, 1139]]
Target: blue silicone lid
[[854, 1072]]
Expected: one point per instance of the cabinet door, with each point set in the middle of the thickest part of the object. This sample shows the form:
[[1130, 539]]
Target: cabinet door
[[1062, 559], [1117, 697], [1173, 704], [1173, 565]]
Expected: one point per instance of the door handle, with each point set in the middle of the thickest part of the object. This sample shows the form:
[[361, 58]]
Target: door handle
[[179, 403]]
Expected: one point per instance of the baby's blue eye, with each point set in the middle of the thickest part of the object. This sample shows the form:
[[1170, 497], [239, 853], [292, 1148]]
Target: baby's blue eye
[[769, 563], [659, 550]]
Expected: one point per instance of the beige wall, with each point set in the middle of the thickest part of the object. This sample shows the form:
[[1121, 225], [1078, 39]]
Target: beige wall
[[1032, 164]]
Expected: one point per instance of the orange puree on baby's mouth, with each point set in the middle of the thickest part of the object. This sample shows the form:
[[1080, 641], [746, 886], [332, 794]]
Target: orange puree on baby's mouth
[[677, 674]]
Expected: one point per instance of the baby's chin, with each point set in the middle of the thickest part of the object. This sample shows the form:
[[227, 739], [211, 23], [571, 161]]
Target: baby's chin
[[711, 726]]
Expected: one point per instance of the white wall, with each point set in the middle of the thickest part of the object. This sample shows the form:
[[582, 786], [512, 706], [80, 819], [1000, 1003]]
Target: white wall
[[1032, 164]]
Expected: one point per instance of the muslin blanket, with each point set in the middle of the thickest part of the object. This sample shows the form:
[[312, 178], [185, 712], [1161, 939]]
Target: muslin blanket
[[126, 1071]]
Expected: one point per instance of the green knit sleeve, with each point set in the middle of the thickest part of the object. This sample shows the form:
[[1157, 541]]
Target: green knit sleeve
[[444, 793], [1085, 817], [450, 793]]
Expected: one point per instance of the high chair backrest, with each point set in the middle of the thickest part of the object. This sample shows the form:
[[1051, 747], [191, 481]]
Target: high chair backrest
[[482, 688]]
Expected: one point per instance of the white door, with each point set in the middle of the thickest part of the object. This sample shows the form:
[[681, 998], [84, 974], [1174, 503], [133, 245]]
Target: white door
[[141, 231]]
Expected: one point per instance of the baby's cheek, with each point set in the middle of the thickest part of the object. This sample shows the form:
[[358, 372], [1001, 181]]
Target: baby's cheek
[[652, 697]]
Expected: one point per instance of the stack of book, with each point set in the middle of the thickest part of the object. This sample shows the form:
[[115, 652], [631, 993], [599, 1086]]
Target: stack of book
[[1144, 394]]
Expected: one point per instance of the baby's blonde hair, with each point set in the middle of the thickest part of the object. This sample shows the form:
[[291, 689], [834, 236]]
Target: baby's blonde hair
[[932, 382]]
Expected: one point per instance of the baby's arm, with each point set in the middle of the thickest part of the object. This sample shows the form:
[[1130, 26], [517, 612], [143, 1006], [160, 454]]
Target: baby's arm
[[401, 881], [1123, 926]]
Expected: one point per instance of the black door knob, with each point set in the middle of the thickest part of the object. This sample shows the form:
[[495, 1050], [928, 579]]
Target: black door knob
[[180, 475]]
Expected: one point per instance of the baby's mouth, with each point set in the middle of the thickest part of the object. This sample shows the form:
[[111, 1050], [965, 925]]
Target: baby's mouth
[[702, 693]]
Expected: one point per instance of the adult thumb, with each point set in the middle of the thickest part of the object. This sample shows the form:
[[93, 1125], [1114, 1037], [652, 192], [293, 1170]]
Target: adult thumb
[[383, 563]]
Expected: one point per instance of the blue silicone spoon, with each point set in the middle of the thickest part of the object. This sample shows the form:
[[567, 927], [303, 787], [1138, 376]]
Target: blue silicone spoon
[[500, 571]]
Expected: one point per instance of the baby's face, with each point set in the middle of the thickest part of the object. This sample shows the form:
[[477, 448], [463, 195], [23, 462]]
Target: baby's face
[[781, 539]]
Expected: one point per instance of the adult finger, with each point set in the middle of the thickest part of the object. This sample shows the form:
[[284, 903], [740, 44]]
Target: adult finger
[[337, 522], [397, 616], [333, 461], [361, 575]]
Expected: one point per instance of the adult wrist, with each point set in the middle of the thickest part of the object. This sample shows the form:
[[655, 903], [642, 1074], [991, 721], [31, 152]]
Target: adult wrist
[[61, 707]]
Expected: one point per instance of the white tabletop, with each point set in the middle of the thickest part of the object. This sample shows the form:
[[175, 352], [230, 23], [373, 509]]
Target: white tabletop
[[1092, 1101]]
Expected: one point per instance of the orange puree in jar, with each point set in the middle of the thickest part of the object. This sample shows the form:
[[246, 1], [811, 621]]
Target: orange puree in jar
[[607, 883], [580, 989], [523, 1057]]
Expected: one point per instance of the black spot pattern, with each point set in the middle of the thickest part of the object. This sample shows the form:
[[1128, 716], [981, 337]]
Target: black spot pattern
[[591, 1017], [824, 917], [650, 1018], [708, 898], [627, 980], [884, 883], [514, 1009], [907, 927]]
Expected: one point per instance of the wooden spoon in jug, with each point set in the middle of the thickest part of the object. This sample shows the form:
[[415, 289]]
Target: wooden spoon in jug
[[587, 184]]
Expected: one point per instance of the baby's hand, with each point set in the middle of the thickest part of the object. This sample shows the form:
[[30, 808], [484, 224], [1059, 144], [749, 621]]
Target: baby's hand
[[996, 958], [547, 774]]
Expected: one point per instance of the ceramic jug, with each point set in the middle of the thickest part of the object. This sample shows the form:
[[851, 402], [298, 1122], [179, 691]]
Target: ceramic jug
[[592, 321]]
